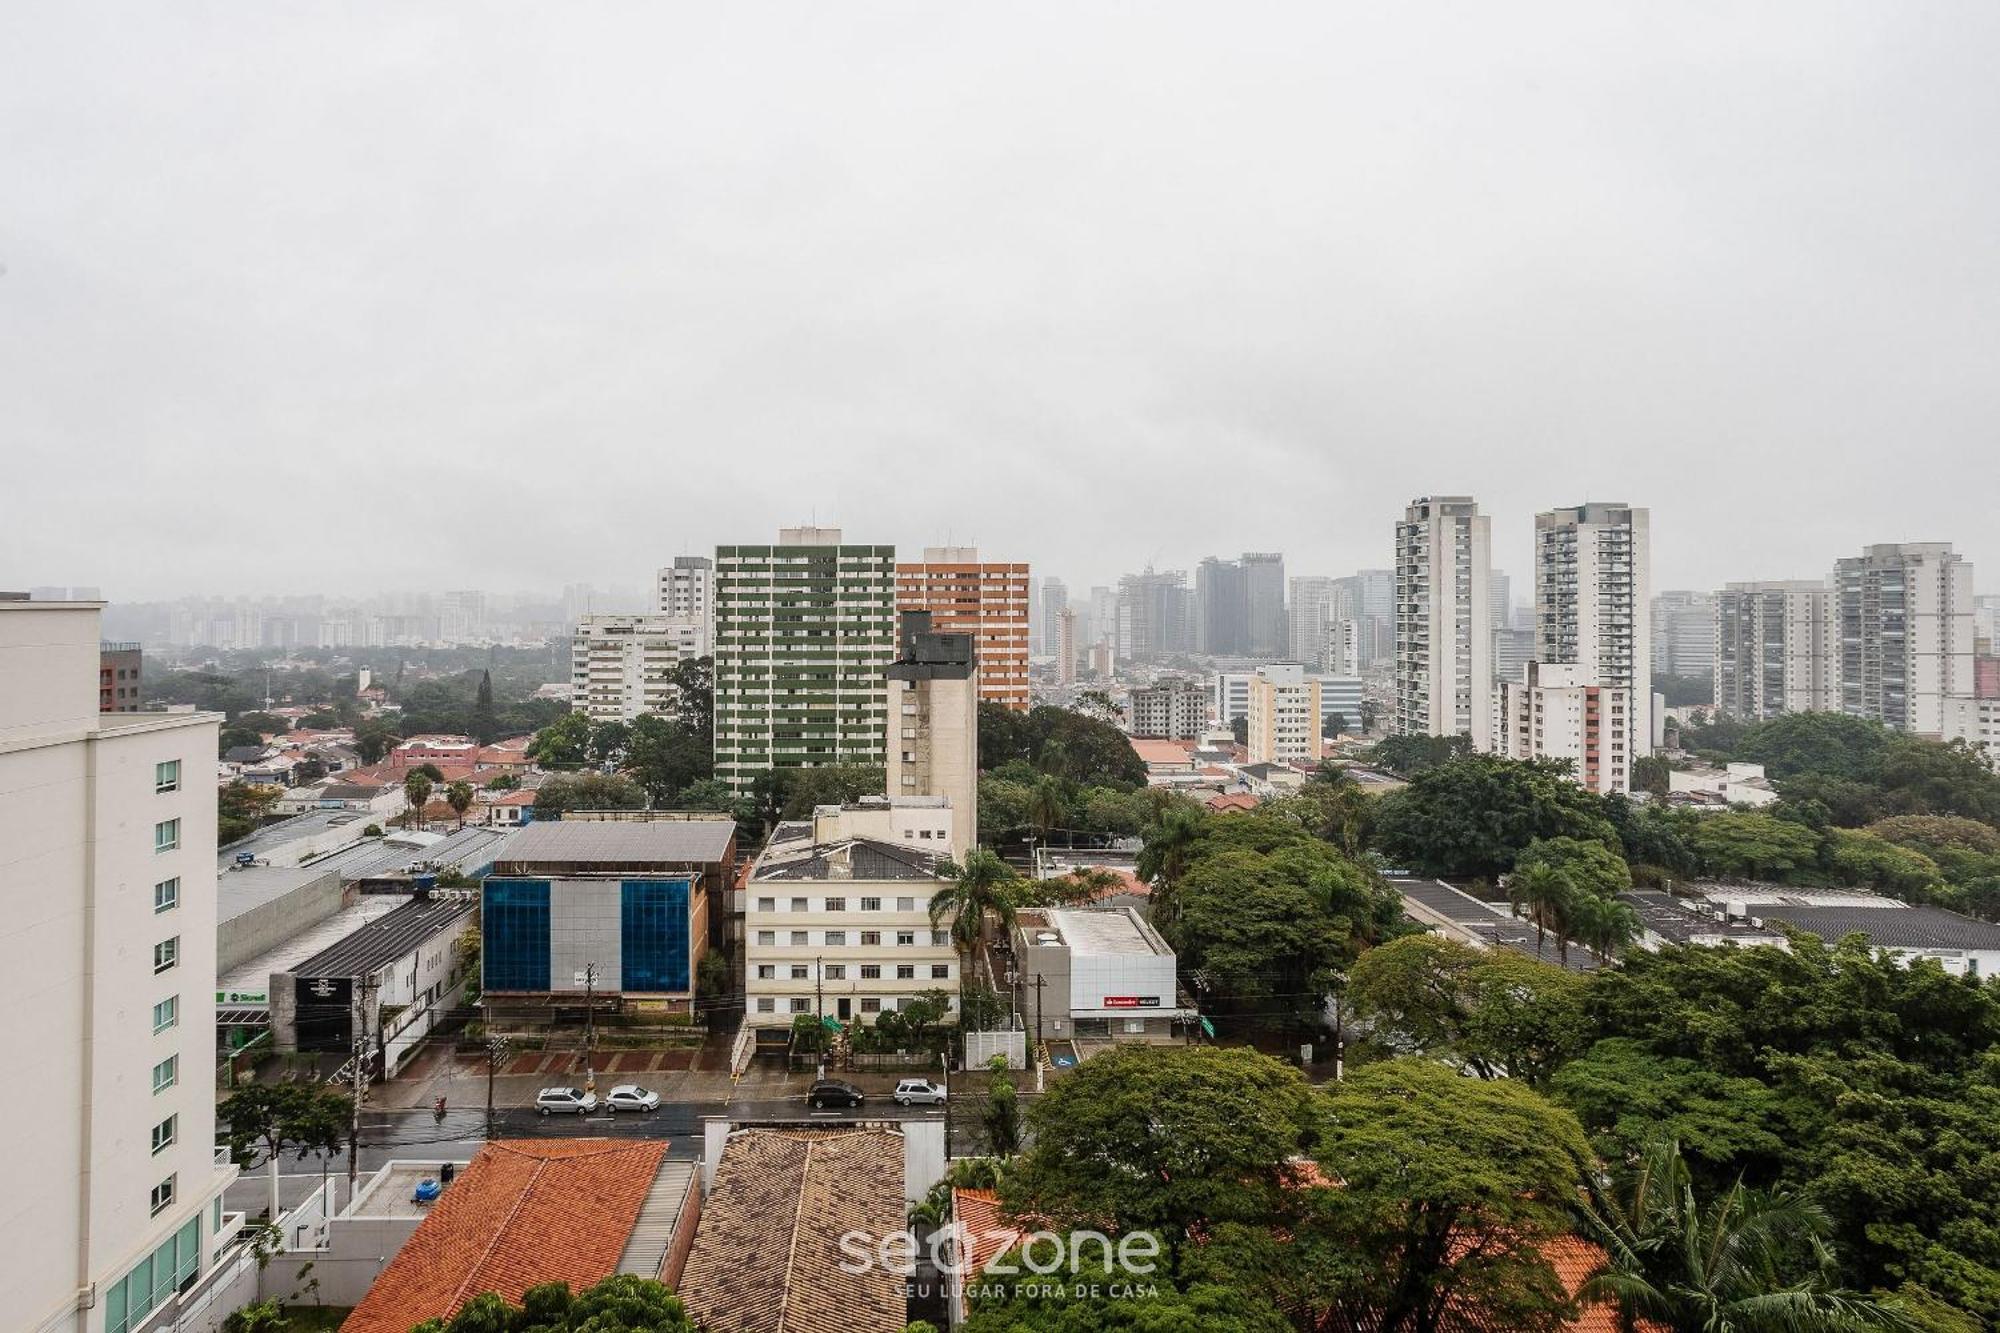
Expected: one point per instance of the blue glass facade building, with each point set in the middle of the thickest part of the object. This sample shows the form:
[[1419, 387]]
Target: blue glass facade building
[[540, 934]]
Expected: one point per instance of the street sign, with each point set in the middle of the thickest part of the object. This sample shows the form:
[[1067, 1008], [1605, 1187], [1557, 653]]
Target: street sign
[[1207, 1028], [830, 1024]]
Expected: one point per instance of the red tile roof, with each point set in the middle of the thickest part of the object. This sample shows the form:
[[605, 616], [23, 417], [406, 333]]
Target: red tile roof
[[524, 1211], [1163, 752], [989, 1233], [1232, 801]]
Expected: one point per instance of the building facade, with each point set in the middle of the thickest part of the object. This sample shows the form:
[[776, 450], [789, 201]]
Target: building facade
[[685, 591], [1684, 634], [107, 840], [1976, 721], [1171, 710], [1313, 626], [933, 741], [1155, 617], [1905, 626], [803, 631], [1285, 716], [1593, 588], [1777, 649], [119, 668], [622, 666], [1444, 620], [836, 915], [988, 601], [1560, 711]]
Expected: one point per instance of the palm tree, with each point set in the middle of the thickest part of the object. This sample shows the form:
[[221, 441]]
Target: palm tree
[[459, 796], [1747, 1262], [1170, 844], [1046, 805], [417, 790], [1545, 891], [984, 885], [1605, 924]]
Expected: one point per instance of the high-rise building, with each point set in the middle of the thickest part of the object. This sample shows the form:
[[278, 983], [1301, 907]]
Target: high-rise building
[[1444, 622], [1285, 716], [1684, 634], [1512, 650], [1311, 622], [622, 666], [462, 616], [933, 737], [1560, 711], [107, 845], [1065, 647], [1343, 648], [1500, 603], [1777, 649], [1053, 601], [988, 601], [804, 629], [1593, 588], [1170, 710], [1264, 595], [1155, 616], [685, 591], [1905, 618], [119, 669], [1222, 608]]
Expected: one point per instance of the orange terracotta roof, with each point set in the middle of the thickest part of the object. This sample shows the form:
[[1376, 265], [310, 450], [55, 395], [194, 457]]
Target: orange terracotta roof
[[989, 1233], [1163, 752], [524, 1211], [1232, 801]]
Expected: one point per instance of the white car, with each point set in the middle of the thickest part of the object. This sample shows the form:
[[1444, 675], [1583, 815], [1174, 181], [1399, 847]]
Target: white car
[[919, 1092], [631, 1097], [575, 1101]]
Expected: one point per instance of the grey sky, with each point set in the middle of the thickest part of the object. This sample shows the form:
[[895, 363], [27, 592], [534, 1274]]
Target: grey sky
[[344, 297]]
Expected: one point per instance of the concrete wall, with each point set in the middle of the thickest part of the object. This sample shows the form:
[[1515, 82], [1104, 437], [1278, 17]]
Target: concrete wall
[[585, 927], [358, 1249], [267, 925]]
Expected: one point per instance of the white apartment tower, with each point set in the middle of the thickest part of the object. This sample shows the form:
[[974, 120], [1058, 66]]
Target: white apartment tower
[[1777, 649], [622, 666], [1593, 597], [1065, 646], [1285, 715], [686, 592], [1444, 620], [1311, 619], [107, 965], [933, 740], [1559, 711], [1905, 618]]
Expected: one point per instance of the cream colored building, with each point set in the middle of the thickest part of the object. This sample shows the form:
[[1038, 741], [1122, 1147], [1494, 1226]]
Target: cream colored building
[[836, 914], [1904, 612], [1285, 715], [1593, 600], [107, 973], [1444, 620], [1777, 649], [933, 741], [623, 665], [1559, 711]]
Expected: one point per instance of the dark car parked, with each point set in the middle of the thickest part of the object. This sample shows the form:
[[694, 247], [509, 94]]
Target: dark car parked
[[833, 1092]]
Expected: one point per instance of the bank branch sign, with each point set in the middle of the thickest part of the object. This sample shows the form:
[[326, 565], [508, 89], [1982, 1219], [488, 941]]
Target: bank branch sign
[[1131, 1002]]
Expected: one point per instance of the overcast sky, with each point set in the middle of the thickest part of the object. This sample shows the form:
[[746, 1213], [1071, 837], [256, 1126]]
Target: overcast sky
[[346, 297]]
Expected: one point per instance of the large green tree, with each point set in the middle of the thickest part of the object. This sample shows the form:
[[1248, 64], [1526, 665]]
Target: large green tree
[[265, 1119], [1473, 816], [1495, 1012], [623, 1303]]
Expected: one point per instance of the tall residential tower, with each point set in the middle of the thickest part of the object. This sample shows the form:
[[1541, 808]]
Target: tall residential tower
[[1444, 623], [1593, 594]]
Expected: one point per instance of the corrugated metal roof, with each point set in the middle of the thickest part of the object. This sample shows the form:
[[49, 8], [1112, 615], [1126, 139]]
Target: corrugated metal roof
[[619, 842], [1890, 928], [388, 939], [659, 1217]]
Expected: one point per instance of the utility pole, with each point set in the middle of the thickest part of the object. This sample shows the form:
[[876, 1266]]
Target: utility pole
[[819, 989], [496, 1048], [1040, 981], [589, 1025], [363, 994], [945, 1060]]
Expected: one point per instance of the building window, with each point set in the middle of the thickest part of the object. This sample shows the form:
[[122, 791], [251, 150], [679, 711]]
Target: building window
[[155, 1278], [871, 904], [836, 971], [166, 1013], [906, 938], [940, 970], [799, 905], [798, 938], [166, 1073], [836, 937], [906, 904], [801, 1005], [167, 835], [767, 937], [941, 939], [163, 1196], [767, 904], [164, 1132], [906, 972], [167, 894], [871, 1005], [766, 972], [836, 904], [800, 972], [765, 1004], [871, 971], [166, 954], [870, 937], [167, 776]]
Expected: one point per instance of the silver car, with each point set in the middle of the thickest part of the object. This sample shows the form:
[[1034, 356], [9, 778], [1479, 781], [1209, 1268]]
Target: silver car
[[574, 1101], [631, 1097], [919, 1092]]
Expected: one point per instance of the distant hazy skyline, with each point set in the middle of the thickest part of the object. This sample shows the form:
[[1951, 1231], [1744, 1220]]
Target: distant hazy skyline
[[355, 297]]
